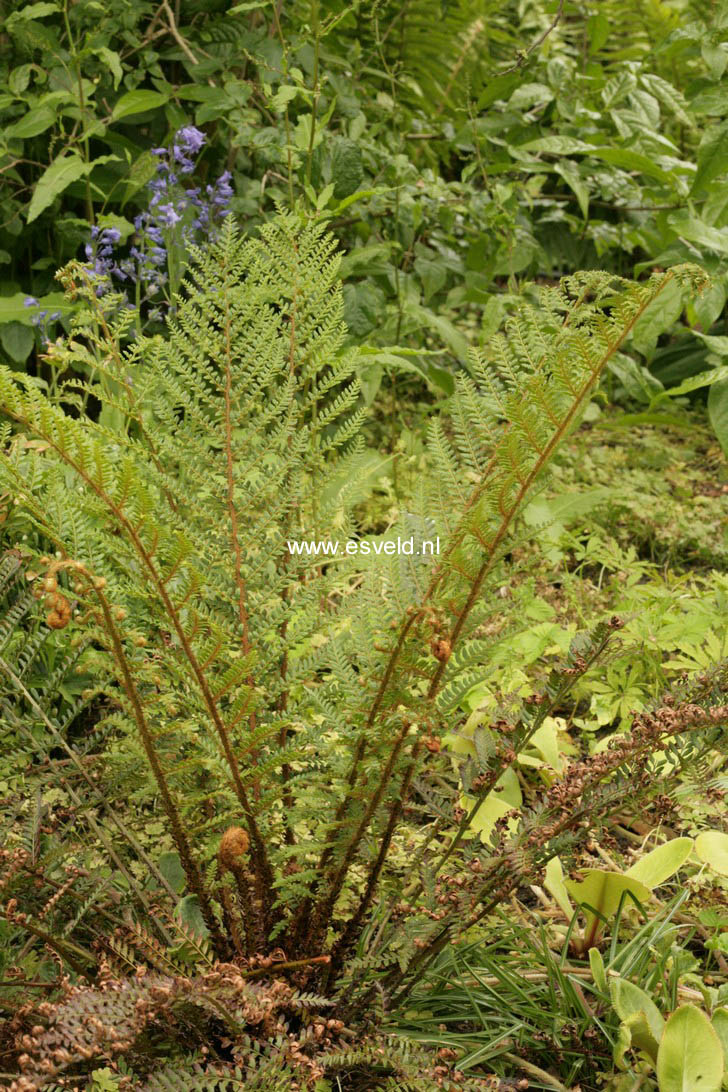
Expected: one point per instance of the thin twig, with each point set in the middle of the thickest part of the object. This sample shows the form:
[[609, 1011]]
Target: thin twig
[[176, 34], [526, 53]]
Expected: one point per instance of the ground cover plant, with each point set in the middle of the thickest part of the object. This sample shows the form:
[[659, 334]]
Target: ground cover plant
[[284, 805]]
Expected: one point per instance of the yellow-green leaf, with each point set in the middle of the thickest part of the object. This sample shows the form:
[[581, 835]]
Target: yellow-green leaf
[[640, 1015], [661, 863], [712, 848], [554, 884], [690, 1058]]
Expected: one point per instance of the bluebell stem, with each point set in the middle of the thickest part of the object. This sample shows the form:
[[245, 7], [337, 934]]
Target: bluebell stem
[[41, 319]]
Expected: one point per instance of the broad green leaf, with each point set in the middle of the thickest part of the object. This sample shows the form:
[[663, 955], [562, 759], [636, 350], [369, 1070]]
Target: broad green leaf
[[364, 307], [712, 848], [658, 316], [694, 383], [714, 342], [171, 868], [13, 309], [58, 177], [602, 891], [138, 102], [631, 161], [250, 5], [599, 30], [690, 1058], [720, 1025], [661, 863], [711, 100], [122, 225], [285, 94], [498, 88], [554, 884], [32, 11], [718, 412], [715, 58], [530, 94], [697, 231], [360, 195], [442, 326], [370, 380], [551, 145], [17, 341], [504, 798], [712, 158], [31, 124], [190, 915], [706, 307], [546, 741], [629, 999], [570, 174], [642, 1021], [347, 170], [112, 61], [637, 380]]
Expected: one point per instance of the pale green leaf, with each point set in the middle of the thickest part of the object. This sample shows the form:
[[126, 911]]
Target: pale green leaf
[[712, 847], [603, 891], [640, 1015], [598, 970], [690, 1058], [661, 863], [554, 884]]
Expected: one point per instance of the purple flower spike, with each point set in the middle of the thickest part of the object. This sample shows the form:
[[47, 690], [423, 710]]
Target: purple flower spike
[[30, 301], [169, 215], [190, 138]]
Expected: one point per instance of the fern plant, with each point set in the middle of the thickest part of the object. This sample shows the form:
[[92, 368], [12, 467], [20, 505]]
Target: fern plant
[[288, 707]]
